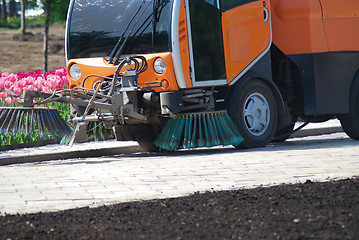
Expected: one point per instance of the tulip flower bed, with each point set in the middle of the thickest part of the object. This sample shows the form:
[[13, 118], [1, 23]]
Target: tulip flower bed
[[17, 83]]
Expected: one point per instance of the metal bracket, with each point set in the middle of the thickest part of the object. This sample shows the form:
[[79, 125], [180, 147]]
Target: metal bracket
[[123, 106], [80, 133], [168, 111]]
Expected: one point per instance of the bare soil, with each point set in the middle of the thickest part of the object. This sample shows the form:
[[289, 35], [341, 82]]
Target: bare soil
[[24, 53], [311, 210]]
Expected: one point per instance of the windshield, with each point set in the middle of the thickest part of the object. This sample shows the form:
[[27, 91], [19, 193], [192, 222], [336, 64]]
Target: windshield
[[95, 26]]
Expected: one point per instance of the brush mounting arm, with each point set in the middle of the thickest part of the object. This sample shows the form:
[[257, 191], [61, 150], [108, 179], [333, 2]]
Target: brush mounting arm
[[121, 104], [29, 96]]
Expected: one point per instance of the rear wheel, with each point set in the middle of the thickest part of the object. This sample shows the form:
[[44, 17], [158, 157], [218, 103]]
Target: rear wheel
[[350, 122], [254, 111]]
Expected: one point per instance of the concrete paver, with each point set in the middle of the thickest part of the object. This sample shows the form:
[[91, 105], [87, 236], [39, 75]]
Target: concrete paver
[[65, 184]]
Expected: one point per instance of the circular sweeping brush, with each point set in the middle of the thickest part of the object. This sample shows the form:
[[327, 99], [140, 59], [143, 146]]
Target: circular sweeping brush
[[30, 119], [192, 130]]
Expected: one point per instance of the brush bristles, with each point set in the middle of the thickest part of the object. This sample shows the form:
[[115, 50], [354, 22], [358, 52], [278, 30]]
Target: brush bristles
[[198, 130], [29, 120]]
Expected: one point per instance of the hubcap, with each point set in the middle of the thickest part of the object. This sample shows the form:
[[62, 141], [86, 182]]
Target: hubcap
[[256, 114]]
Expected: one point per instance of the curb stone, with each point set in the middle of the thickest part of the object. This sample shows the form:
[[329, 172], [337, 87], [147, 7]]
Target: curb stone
[[67, 155], [29, 145], [113, 147], [62, 152]]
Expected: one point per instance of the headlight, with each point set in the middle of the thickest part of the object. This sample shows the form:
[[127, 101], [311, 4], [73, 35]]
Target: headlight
[[159, 65], [75, 71]]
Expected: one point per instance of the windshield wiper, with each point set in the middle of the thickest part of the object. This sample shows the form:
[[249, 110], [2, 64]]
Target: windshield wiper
[[119, 47], [157, 10]]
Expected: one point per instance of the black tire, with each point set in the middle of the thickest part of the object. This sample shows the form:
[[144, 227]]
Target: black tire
[[148, 146], [350, 122], [258, 125]]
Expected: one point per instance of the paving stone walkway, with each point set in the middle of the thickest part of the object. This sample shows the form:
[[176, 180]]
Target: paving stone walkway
[[65, 184]]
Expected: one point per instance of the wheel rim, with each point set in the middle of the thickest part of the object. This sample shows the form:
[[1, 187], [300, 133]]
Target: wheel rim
[[256, 114]]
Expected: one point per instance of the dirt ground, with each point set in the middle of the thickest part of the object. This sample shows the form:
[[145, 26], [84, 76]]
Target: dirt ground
[[311, 210], [25, 54]]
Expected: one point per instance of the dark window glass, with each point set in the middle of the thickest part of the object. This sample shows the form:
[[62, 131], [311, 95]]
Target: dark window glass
[[207, 41], [228, 4], [96, 26]]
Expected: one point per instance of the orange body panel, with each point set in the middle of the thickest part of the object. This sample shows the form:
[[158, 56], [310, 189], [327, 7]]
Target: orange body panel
[[334, 9], [90, 66], [245, 36], [183, 44], [99, 66], [341, 24], [297, 26], [314, 26]]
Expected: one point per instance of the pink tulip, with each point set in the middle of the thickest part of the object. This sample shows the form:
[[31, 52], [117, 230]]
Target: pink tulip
[[16, 99], [17, 90], [38, 83], [7, 83], [60, 71], [12, 78], [29, 87], [8, 100], [12, 87], [38, 71], [29, 80], [2, 82], [46, 89], [22, 83], [56, 79], [3, 95], [21, 75], [5, 75], [51, 81], [50, 76]]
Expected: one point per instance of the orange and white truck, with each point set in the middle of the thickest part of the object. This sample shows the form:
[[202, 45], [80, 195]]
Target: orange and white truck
[[267, 63]]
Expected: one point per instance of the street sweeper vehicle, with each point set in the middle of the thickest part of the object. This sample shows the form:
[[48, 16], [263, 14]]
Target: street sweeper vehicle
[[198, 73]]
